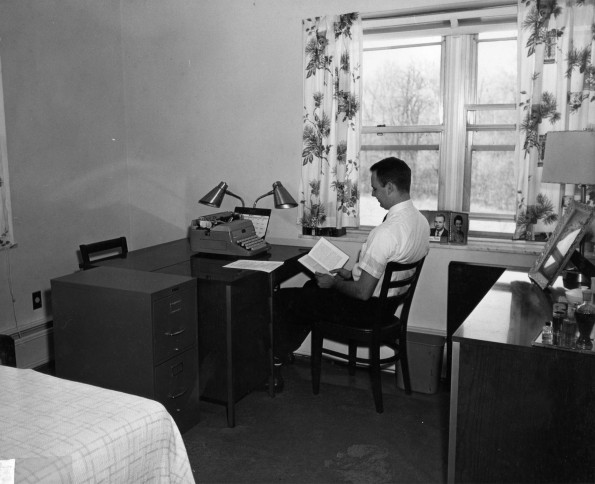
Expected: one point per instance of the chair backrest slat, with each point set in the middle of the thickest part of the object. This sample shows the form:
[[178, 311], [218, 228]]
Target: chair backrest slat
[[389, 305]]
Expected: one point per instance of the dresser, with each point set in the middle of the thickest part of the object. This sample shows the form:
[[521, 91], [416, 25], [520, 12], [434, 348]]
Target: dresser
[[519, 412], [132, 331]]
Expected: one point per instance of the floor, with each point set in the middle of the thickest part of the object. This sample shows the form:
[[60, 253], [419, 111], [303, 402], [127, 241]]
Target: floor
[[336, 436]]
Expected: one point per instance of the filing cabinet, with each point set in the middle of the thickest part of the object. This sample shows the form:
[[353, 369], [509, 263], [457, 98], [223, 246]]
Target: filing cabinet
[[131, 331]]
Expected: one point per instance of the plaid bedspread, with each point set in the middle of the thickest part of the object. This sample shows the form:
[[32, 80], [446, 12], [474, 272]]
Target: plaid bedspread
[[60, 431]]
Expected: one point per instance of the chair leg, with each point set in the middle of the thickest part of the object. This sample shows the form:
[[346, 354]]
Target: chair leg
[[404, 366], [375, 377], [316, 359], [352, 357]]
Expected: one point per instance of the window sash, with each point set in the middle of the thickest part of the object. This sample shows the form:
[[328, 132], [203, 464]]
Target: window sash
[[475, 147]]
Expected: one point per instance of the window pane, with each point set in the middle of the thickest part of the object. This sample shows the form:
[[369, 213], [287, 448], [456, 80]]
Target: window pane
[[503, 227], [496, 72], [401, 86], [495, 138], [492, 182], [500, 116], [369, 141], [424, 182]]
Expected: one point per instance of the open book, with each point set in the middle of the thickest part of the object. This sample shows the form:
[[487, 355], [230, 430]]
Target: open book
[[324, 257]]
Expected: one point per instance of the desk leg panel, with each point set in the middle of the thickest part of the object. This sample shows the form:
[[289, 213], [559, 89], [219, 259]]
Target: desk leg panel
[[233, 337]]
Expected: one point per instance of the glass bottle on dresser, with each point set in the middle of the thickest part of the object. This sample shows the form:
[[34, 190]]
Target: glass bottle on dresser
[[568, 331], [585, 318]]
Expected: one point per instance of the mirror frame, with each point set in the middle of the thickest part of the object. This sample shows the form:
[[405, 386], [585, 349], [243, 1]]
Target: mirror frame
[[578, 216]]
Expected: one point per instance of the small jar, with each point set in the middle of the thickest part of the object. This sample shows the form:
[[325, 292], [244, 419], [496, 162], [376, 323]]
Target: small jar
[[547, 334]]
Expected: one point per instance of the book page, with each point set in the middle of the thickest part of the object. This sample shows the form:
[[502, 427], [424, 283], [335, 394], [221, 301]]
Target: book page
[[324, 257], [312, 265]]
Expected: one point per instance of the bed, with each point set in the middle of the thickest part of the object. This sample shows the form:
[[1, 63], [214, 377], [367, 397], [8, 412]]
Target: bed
[[55, 430]]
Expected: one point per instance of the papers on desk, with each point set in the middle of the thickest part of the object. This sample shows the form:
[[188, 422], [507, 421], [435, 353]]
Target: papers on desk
[[255, 265], [7, 471]]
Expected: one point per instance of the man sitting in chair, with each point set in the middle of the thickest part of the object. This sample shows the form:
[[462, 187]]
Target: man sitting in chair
[[349, 295]]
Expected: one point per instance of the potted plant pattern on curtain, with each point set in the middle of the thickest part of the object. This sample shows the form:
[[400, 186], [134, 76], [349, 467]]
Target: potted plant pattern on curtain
[[331, 122], [557, 75]]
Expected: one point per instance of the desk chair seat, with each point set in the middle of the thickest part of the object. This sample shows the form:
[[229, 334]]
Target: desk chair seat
[[382, 329], [111, 249]]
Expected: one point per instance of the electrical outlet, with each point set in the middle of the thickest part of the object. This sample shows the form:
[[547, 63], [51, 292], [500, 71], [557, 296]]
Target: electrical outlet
[[37, 303]]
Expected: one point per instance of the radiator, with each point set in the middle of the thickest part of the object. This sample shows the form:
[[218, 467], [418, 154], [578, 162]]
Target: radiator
[[28, 348]]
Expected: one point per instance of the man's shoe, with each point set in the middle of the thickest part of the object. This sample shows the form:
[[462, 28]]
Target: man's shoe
[[278, 384], [285, 359]]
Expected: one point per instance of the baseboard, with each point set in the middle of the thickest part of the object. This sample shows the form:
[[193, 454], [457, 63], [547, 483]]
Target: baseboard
[[411, 328], [30, 348]]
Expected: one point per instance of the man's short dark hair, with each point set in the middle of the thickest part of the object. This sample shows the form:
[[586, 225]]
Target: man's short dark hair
[[393, 170]]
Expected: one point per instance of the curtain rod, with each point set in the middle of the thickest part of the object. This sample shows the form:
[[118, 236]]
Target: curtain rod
[[406, 12]]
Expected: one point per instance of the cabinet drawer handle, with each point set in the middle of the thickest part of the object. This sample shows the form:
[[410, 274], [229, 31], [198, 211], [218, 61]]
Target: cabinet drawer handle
[[175, 333], [175, 306], [178, 395]]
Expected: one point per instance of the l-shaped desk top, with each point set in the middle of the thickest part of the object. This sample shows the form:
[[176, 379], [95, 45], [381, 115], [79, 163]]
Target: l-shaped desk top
[[177, 257]]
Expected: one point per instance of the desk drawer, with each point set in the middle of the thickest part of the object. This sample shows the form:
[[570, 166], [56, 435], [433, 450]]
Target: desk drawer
[[176, 387], [175, 324]]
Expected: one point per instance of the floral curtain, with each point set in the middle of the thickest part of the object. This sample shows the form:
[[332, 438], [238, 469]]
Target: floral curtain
[[557, 76], [331, 122]]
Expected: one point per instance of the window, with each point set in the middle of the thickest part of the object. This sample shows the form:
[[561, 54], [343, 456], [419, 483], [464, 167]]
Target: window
[[6, 233], [439, 91]]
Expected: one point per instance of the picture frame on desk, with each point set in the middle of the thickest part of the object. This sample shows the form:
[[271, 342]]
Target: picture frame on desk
[[455, 226], [459, 228], [439, 221], [562, 244]]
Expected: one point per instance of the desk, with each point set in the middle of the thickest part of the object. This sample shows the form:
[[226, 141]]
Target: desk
[[235, 314], [518, 413]]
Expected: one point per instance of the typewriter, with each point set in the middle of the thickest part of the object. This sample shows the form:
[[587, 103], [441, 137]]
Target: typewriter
[[226, 233]]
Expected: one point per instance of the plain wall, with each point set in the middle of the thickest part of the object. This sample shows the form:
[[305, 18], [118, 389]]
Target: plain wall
[[121, 114]]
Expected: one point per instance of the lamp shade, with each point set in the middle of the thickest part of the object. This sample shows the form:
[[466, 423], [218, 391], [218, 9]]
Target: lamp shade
[[215, 196], [282, 197], [569, 157]]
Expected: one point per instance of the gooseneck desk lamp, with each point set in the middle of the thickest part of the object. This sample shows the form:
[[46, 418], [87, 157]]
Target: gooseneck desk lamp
[[281, 196], [215, 196]]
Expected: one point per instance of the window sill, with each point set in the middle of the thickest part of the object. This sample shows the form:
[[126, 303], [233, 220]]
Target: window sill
[[476, 244], [498, 245]]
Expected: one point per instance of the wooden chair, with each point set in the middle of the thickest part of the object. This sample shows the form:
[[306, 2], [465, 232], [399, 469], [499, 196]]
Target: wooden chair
[[111, 249], [382, 329]]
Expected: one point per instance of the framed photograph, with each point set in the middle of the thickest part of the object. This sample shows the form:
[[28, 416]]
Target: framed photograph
[[561, 245], [459, 228], [439, 225]]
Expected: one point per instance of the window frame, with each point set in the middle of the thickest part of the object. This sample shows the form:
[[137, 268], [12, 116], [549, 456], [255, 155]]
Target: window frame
[[431, 24], [6, 225]]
